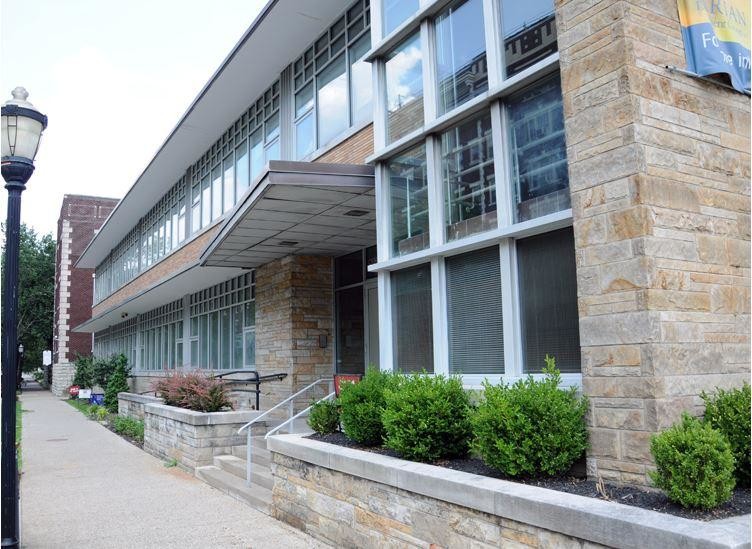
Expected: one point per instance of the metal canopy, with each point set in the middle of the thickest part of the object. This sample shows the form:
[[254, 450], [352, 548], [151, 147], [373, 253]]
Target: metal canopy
[[298, 208]]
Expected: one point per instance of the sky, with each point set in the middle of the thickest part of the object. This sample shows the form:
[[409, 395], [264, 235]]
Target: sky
[[113, 79]]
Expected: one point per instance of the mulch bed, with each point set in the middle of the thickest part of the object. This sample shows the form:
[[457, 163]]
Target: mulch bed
[[628, 495]]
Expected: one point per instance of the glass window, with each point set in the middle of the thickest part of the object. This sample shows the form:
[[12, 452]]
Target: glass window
[[237, 336], [474, 314], [468, 175], [181, 224], [257, 154], [348, 269], [404, 89], [408, 188], [228, 185], [412, 320], [331, 94], [305, 134], [350, 330], [548, 300], [397, 11], [205, 201], [249, 348], [168, 234], [216, 193], [271, 132], [242, 173], [214, 340], [538, 151], [225, 348], [203, 339], [529, 30], [196, 209], [361, 88], [460, 54], [175, 229]]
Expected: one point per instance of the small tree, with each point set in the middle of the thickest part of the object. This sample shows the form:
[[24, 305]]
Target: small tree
[[118, 383], [84, 376]]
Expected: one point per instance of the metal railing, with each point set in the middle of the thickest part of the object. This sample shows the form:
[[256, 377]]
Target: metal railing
[[254, 379], [289, 422]]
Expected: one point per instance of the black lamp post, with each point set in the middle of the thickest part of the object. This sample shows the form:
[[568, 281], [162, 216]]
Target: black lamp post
[[22, 127]]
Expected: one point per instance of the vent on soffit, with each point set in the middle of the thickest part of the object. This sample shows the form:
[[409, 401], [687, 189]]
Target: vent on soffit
[[355, 213], [288, 243]]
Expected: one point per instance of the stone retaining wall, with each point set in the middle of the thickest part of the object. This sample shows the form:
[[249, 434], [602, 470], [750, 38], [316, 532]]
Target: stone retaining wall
[[132, 405], [194, 438], [351, 498]]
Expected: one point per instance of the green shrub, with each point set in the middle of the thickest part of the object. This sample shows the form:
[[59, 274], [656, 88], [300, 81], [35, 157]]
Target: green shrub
[[129, 427], [361, 405], [427, 417], [103, 368], [694, 464], [100, 413], [324, 417], [530, 428], [729, 413], [84, 376], [118, 383], [194, 391]]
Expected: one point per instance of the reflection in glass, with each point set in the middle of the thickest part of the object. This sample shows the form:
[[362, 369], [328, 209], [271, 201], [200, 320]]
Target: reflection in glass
[[538, 150], [468, 175], [228, 184], [404, 89], [460, 54], [361, 89], [305, 137], [529, 30], [408, 188], [242, 174], [216, 193], [412, 324], [331, 100], [397, 11], [205, 201], [257, 154]]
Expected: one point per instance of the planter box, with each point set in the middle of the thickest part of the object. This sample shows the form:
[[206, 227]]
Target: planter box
[[132, 405], [349, 497], [194, 438]]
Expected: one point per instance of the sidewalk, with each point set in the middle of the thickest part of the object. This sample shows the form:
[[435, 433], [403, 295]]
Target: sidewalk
[[84, 486]]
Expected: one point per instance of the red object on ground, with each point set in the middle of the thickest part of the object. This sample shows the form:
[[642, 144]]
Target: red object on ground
[[349, 378], [73, 390]]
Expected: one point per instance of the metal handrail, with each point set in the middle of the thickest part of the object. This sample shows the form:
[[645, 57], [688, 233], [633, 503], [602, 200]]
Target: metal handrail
[[296, 416], [290, 402]]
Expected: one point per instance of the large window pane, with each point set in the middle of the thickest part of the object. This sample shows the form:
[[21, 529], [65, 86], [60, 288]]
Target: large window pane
[[228, 185], [469, 179], [408, 188], [474, 315], [271, 138], [348, 269], [249, 348], [538, 150], [331, 87], [205, 201], [216, 193], [350, 331], [305, 134], [214, 340], [397, 11], [412, 324], [548, 300], [404, 89], [529, 31], [225, 347], [257, 154], [237, 336], [242, 172], [361, 88], [460, 54]]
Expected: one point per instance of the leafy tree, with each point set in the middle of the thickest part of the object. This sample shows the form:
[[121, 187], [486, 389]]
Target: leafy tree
[[36, 294]]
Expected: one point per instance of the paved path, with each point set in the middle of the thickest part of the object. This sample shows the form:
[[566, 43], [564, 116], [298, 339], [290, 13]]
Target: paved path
[[84, 486]]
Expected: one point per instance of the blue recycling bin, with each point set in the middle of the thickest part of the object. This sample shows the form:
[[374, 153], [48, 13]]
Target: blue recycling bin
[[97, 399]]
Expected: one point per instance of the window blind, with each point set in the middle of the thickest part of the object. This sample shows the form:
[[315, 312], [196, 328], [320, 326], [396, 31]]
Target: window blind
[[412, 319], [476, 330]]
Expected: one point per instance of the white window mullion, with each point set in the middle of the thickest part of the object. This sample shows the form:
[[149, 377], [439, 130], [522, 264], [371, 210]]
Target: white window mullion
[[509, 300], [439, 314], [386, 353], [494, 43], [501, 166], [379, 103], [384, 213], [430, 83], [436, 208]]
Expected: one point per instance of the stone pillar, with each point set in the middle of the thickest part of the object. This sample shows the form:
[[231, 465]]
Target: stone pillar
[[659, 175], [294, 306], [62, 378]]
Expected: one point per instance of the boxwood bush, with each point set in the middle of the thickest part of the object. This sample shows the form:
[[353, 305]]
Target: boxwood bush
[[324, 417], [694, 464], [361, 405], [729, 413], [531, 428], [427, 417]]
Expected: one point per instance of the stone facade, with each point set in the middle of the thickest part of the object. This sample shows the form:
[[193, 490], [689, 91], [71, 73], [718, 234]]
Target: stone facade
[[193, 438], [659, 173], [132, 405], [294, 310], [80, 218]]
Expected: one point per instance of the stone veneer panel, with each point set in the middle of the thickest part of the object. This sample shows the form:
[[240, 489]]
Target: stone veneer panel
[[132, 405], [659, 176], [293, 308]]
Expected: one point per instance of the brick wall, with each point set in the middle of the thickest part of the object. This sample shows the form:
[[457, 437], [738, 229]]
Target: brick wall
[[353, 150], [659, 176]]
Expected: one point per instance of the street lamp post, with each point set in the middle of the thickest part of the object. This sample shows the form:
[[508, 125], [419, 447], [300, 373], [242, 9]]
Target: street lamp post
[[22, 127]]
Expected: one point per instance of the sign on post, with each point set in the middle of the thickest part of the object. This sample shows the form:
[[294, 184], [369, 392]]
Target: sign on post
[[716, 38], [46, 358]]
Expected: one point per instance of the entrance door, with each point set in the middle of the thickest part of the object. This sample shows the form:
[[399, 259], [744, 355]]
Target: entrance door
[[372, 323]]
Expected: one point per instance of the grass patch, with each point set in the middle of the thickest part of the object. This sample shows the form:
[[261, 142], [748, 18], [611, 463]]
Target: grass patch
[[129, 427], [80, 405], [171, 463]]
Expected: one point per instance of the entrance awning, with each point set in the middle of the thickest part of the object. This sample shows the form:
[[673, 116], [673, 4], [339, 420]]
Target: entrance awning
[[299, 208]]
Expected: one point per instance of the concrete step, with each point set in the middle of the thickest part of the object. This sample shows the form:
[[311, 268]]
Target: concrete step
[[260, 474], [261, 456], [256, 496]]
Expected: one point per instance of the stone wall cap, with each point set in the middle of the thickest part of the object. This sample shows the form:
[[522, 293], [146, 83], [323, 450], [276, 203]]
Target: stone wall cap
[[200, 418], [605, 522], [143, 399]]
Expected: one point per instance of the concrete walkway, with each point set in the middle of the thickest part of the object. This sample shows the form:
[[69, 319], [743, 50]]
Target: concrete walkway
[[84, 486]]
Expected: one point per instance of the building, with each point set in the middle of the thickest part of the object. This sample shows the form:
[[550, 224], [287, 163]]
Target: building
[[461, 187], [80, 219]]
